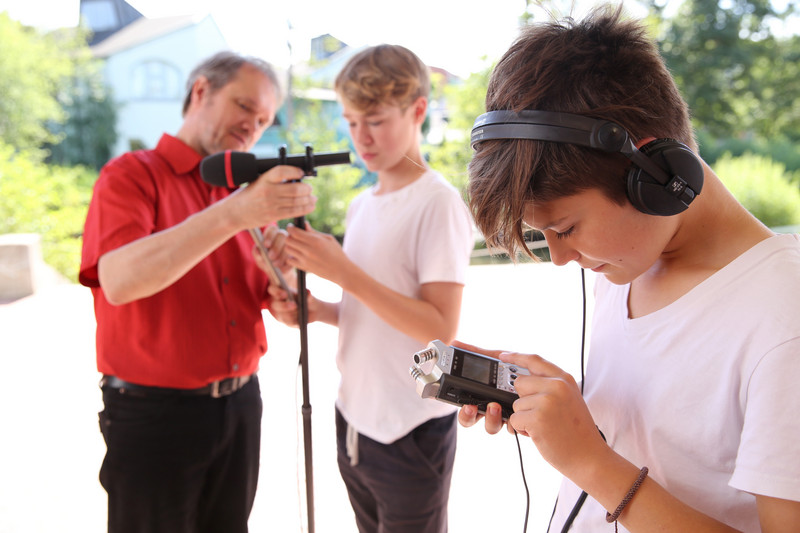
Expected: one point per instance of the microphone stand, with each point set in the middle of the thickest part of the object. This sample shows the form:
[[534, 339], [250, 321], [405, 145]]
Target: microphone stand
[[234, 166], [302, 323]]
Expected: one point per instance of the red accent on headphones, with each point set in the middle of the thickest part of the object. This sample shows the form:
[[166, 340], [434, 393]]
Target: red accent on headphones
[[644, 141]]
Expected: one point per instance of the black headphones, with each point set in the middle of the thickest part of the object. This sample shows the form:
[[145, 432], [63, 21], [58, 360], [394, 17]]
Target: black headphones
[[664, 179]]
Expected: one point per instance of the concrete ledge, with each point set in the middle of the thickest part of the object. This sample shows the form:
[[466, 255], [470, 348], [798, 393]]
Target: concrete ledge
[[20, 265]]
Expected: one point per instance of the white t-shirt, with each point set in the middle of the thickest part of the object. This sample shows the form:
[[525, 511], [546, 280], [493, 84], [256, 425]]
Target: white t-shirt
[[419, 234], [706, 391]]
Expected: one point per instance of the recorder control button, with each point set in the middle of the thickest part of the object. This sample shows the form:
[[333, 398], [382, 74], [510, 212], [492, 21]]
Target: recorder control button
[[513, 369]]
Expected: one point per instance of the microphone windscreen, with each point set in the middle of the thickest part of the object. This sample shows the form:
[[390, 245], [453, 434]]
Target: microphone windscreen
[[229, 169], [332, 158]]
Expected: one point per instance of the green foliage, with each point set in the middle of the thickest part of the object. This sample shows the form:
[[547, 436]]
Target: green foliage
[[763, 187], [780, 149], [49, 200], [334, 186], [737, 77], [32, 66], [54, 101], [774, 76], [450, 159], [88, 134], [465, 101]]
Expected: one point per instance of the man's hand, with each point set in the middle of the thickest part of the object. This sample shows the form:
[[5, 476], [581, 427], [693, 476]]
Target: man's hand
[[278, 194]]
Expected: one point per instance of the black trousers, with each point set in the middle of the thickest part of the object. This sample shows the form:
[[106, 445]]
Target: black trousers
[[402, 487], [181, 464]]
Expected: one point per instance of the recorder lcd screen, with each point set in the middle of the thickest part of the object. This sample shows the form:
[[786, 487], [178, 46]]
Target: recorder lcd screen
[[477, 369]]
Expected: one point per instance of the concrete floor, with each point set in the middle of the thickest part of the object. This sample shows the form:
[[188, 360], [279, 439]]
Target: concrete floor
[[52, 449]]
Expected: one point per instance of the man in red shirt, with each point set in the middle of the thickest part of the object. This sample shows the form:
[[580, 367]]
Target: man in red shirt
[[178, 302]]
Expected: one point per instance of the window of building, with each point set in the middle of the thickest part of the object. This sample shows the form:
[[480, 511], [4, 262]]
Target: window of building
[[156, 80]]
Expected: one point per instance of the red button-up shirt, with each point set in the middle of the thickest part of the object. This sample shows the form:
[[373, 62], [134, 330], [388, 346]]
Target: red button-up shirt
[[208, 324]]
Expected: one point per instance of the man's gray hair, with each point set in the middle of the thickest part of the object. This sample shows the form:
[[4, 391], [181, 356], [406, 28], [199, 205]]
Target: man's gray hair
[[220, 68]]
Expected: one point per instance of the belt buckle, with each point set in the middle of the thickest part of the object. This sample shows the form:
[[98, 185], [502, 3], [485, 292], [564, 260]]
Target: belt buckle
[[224, 387]]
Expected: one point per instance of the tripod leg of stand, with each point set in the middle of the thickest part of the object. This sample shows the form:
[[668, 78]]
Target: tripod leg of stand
[[302, 321]]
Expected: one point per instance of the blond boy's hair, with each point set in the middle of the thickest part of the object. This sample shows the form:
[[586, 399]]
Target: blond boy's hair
[[383, 75]]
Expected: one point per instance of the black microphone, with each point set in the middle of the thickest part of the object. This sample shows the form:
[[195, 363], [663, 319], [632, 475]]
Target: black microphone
[[231, 169]]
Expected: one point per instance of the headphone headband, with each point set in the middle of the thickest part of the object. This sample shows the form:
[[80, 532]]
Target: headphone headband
[[549, 126], [565, 128], [590, 132]]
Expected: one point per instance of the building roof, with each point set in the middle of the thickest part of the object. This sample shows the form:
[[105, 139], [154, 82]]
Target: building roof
[[106, 17], [141, 31]]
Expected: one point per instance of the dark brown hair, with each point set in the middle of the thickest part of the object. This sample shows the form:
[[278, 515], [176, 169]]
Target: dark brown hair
[[603, 67], [222, 67]]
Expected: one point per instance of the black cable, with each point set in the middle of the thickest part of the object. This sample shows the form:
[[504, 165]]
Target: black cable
[[524, 482], [582, 498], [574, 513]]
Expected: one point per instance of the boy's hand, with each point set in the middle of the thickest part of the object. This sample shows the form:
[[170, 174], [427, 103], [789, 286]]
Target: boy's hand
[[468, 415]]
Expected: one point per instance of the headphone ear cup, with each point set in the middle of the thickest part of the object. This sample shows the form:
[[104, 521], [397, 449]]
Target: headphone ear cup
[[650, 196]]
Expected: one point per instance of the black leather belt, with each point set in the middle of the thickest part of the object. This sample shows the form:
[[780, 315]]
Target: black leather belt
[[216, 389]]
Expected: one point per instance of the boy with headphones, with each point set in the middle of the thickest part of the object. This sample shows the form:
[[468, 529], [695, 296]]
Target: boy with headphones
[[695, 352]]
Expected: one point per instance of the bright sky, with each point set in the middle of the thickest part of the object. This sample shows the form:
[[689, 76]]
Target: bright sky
[[452, 34]]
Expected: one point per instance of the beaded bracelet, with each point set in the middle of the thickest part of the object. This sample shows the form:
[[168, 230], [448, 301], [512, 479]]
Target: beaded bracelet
[[628, 497]]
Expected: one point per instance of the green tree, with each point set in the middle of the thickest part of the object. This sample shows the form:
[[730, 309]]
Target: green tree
[[32, 66], [88, 134], [49, 200], [738, 78], [41, 75], [336, 185], [777, 71], [763, 187], [465, 102]]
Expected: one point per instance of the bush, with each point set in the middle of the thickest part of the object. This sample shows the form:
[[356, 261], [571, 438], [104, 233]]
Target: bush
[[780, 149], [49, 200], [763, 187]]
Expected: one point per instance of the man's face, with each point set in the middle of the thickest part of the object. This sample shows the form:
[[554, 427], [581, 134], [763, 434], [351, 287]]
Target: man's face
[[234, 116], [615, 240]]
